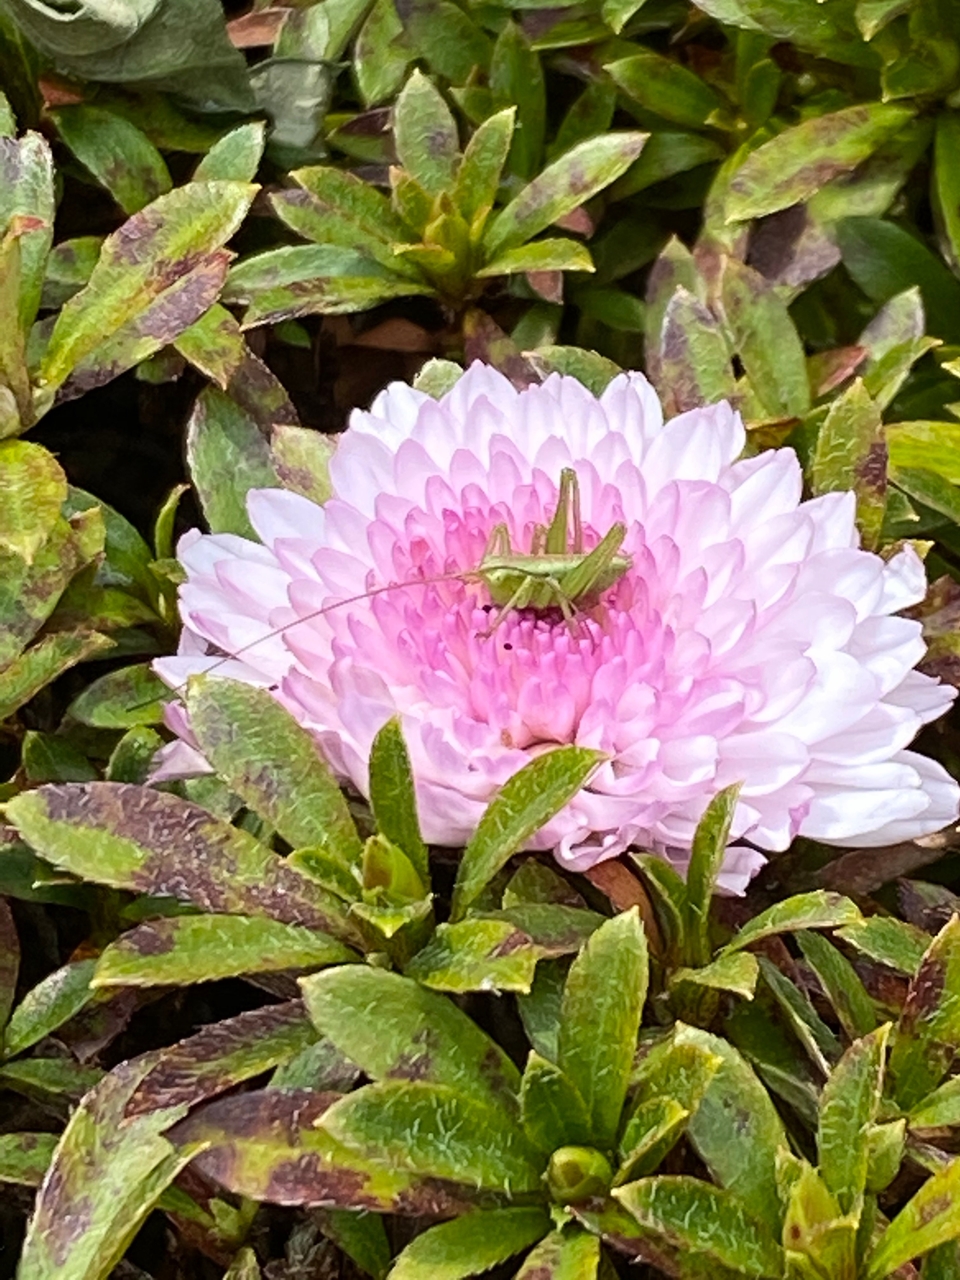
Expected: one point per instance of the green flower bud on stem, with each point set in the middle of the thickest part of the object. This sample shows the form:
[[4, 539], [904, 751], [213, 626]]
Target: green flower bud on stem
[[577, 1173]]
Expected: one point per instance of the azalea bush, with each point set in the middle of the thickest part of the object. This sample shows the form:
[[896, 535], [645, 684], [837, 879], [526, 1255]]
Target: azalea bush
[[497, 812]]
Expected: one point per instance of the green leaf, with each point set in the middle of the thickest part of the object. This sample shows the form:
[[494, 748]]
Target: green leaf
[[425, 135], [272, 764], [121, 699], [478, 177], [884, 260], [693, 365], [116, 152], [24, 1157], [946, 184], [301, 459], [933, 446], [930, 1219], [667, 88], [437, 377], [938, 1109], [185, 949], [848, 1107], [812, 1032], [929, 488], [927, 1038], [524, 803], [570, 181], [737, 973], [361, 1236], [47, 1079], [417, 1034], [599, 1019], [227, 455], [9, 960], [338, 208], [393, 798], [708, 851], [766, 339], [841, 984], [795, 164], [596, 372], [476, 955], [150, 268], [851, 454], [653, 1129], [563, 1255], [50, 757], [48, 1005], [26, 191], [736, 1130], [381, 53], [541, 255], [694, 1215], [891, 942], [816, 910], [133, 838], [435, 1131], [215, 345], [235, 157], [107, 1174], [41, 664], [32, 491], [469, 1245], [68, 269], [552, 1110], [269, 1146], [516, 80]]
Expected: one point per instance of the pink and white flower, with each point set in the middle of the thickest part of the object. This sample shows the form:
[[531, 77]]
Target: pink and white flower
[[752, 640]]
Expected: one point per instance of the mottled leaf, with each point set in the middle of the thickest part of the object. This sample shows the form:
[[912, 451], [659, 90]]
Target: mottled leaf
[[118, 154], [552, 1110], [476, 955], [42, 663], [736, 1130], [478, 177], [706, 858], [851, 454], [214, 345], [133, 838], [121, 699], [9, 962], [148, 263], [27, 191], [204, 948], [795, 164], [52, 1002], [736, 972], [564, 1255], [524, 803], [540, 255], [24, 1157], [930, 1219], [927, 1038], [425, 134], [222, 1055], [471, 1244], [269, 1146], [570, 181], [517, 80], [227, 455], [106, 1175], [764, 336], [848, 1107], [693, 364], [272, 763]]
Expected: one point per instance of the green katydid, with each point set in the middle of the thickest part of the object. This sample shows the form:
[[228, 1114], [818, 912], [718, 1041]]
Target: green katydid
[[555, 574]]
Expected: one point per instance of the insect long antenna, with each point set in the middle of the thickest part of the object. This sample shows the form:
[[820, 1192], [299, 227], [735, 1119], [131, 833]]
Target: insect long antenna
[[461, 575]]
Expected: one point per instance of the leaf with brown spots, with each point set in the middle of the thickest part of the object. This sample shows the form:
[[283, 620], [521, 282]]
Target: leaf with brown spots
[[222, 1055], [930, 1219], [179, 950], [52, 1002], [155, 253], [24, 1157], [851, 454], [927, 1039], [268, 1146], [26, 191], [151, 842], [693, 365], [568, 1254], [107, 1173], [43, 662]]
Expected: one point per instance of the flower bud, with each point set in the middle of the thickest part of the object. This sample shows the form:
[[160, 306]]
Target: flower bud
[[577, 1173]]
